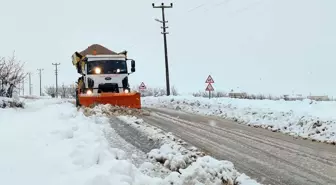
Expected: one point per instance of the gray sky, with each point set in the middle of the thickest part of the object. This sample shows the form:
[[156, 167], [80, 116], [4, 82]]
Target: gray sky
[[268, 46]]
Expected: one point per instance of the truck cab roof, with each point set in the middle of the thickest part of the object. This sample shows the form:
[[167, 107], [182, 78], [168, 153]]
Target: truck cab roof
[[105, 57]]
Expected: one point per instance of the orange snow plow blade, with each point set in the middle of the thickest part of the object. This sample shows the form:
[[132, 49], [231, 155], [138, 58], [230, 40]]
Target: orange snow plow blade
[[128, 100]]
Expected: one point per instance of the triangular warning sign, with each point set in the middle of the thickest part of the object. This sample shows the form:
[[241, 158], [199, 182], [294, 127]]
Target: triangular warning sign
[[142, 86], [209, 88], [209, 80]]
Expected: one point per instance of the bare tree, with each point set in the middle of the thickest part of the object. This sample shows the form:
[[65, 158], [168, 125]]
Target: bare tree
[[156, 91], [174, 91], [66, 91], [11, 74], [63, 91], [71, 91], [50, 90]]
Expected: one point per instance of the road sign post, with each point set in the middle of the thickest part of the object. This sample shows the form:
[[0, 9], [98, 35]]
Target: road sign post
[[209, 88]]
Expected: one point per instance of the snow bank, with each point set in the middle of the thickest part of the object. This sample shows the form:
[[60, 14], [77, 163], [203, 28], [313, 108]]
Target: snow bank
[[307, 119], [35, 97], [174, 153], [187, 163], [208, 170], [50, 142], [10, 103], [172, 159]]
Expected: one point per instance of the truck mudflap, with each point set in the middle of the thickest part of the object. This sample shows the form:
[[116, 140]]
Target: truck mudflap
[[127, 100]]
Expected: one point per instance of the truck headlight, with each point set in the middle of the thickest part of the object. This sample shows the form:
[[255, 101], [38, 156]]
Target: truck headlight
[[89, 92], [97, 70]]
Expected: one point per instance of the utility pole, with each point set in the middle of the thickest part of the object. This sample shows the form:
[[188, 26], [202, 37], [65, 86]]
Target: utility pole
[[40, 74], [56, 72], [63, 90], [30, 85], [162, 6]]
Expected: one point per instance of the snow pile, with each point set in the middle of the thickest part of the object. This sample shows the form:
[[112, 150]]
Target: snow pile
[[153, 133], [170, 157], [173, 153], [198, 170], [50, 142], [35, 97], [109, 110], [307, 119], [188, 164], [207, 170], [10, 103]]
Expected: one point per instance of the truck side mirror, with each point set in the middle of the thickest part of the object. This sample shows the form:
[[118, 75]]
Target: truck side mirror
[[79, 68], [132, 66]]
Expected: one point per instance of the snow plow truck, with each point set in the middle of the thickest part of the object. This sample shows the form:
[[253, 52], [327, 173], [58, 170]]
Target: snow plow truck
[[104, 78]]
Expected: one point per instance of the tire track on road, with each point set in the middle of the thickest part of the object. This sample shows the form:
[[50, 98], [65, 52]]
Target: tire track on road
[[281, 163], [274, 143]]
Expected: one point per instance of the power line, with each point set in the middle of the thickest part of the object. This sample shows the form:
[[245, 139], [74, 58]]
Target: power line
[[163, 7], [40, 74], [56, 73], [197, 7]]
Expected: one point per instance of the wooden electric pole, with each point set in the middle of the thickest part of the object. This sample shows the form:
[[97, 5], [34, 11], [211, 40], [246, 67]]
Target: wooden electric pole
[[30, 85], [40, 74], [56, 73], [163, 6]]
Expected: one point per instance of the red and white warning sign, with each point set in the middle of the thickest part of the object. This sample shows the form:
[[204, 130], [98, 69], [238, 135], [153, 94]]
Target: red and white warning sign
[[209, 87], [142, 86], [209, 80]]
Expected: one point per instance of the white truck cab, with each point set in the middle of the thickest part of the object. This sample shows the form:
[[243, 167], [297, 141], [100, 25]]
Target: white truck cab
[[104, 73]]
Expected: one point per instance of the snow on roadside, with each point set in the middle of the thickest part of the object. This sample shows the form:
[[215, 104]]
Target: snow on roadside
[[174, 153], [11, 103], [50, 142], [188, 165], [307, 119]]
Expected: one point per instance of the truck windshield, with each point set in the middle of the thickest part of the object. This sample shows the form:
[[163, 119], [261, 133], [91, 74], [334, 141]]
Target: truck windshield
[[107, 67]]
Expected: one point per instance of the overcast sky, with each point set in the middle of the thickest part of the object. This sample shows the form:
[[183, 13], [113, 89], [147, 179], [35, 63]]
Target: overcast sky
[[267, 46]]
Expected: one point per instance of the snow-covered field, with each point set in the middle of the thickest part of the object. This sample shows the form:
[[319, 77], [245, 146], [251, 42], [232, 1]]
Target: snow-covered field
[[307, 119], [51, 142]]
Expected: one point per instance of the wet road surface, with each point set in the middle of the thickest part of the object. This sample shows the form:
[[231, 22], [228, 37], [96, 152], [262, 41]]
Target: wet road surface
[[269, 157]]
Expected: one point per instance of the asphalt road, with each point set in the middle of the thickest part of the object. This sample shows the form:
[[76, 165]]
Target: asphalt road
[[133, 136], [269, 157]]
